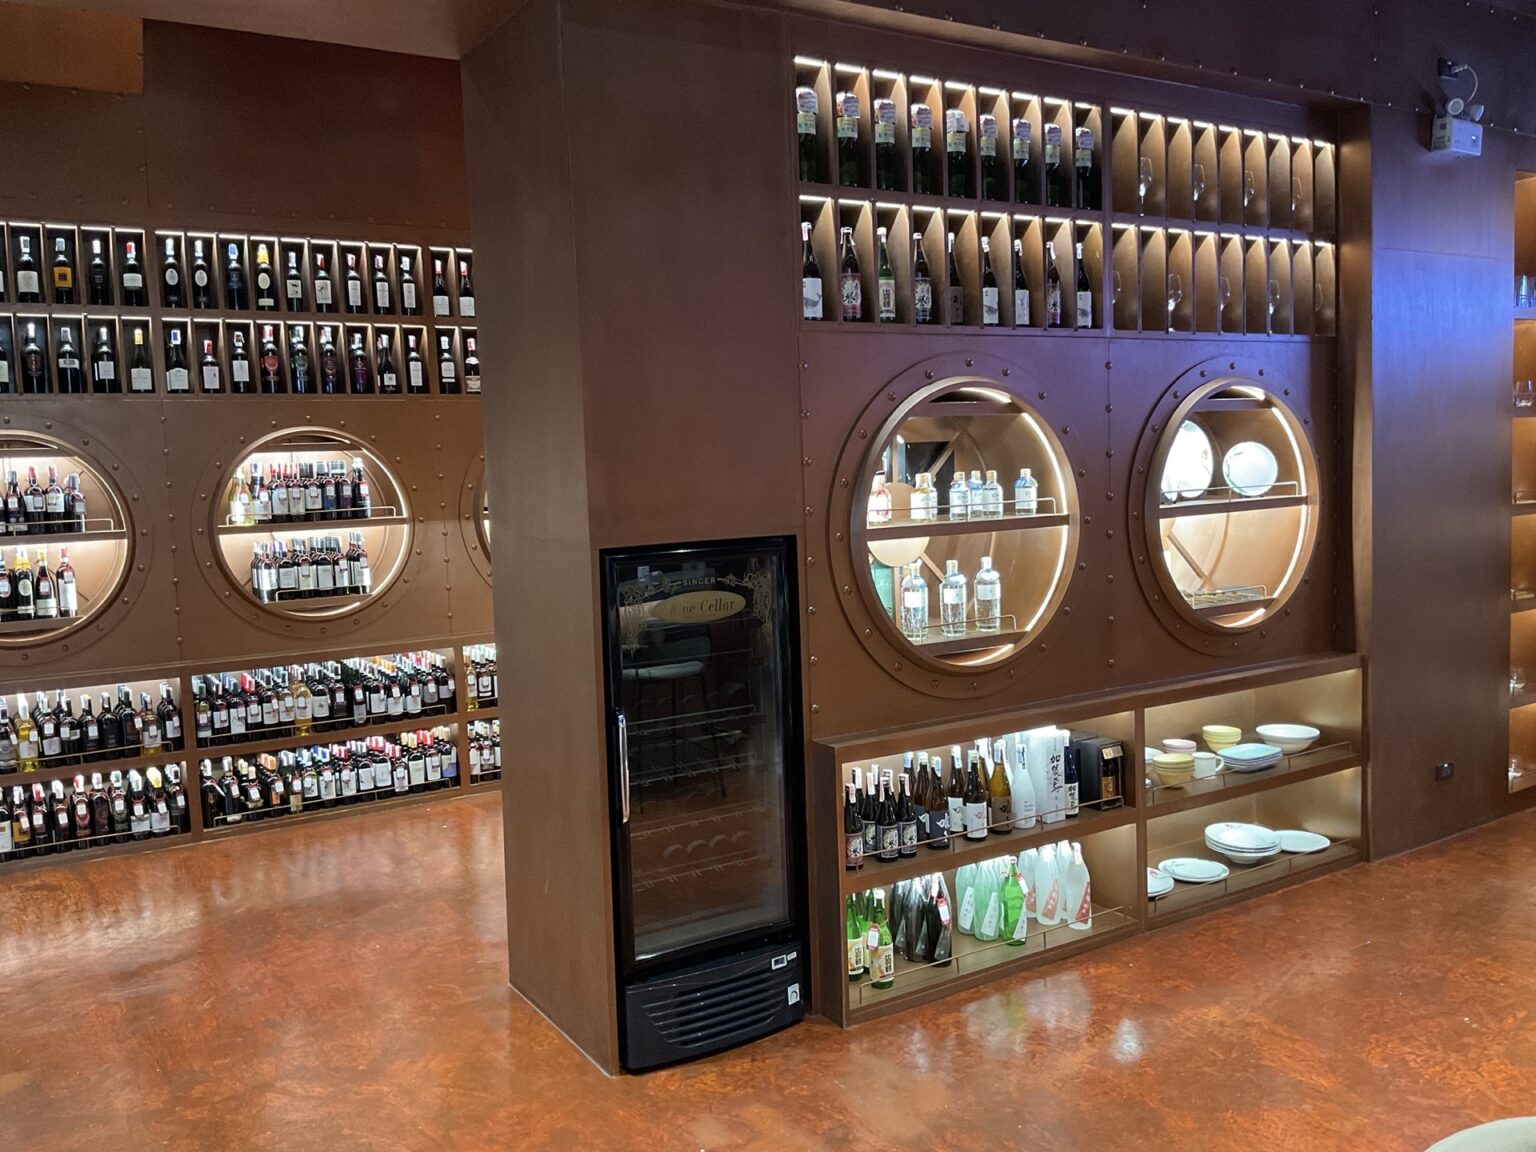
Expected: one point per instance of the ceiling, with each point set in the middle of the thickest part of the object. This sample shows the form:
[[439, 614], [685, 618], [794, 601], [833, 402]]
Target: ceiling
[[445, 28]]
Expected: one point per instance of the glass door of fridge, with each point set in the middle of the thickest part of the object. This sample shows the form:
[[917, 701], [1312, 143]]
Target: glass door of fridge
[[705, 735]]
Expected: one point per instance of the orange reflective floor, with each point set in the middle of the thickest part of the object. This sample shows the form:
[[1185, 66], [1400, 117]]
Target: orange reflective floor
[[342, 986]]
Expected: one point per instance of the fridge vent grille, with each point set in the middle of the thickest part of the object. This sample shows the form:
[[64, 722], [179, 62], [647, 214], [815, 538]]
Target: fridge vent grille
[[695, 1015]]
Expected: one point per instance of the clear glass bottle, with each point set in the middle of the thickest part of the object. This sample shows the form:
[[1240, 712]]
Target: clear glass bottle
[[1026, 494], [914, 604], [959, 497], [978, 509], [879, 501], [989, 597], [952, 600], [925, 499], [991, 497]]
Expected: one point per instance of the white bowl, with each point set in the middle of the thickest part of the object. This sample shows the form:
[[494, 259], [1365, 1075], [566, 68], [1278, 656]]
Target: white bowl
[[1289, 738], [1244, 857], [1241, 837]]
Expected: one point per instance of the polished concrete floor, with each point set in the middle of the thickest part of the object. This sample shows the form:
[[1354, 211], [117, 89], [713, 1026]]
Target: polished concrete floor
[[342, 986]]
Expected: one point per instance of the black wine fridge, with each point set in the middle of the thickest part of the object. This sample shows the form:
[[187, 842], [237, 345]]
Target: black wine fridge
[[705, 777]]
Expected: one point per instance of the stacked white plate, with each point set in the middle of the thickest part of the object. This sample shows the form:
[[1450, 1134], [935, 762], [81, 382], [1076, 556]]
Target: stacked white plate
[[1242, 843], [1251, 757]]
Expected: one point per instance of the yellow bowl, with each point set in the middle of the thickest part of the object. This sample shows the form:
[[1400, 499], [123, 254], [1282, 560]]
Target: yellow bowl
[[1220, 736], [1174, 760], [1172, 777]]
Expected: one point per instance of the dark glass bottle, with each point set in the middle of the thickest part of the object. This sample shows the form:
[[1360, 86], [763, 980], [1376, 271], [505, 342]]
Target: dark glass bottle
[[1054, 317], [134, 295], [991, 304], [1086, 185], [1024, 189], [177, 378], [986, 150], [885, 280], [29, 283], [922, 283], [63, 272], [239, 365], [271, 365], [415, 368], [170, 276], [806, 109], [202, 277], [353, 286], [71, 378], [471, 366], [236, 294], [810, 276], [389, 379], [208, 369], [324, 288], [954, 292], [850, 285], [140, 378], [98, 278], [383, 302], [298, 361], [906, 818], [293, 284], [447, 367], [410, 301], [1083, 314], [1021, 316], [34, 365], [957, 139], [848, 139], [466, 286], [442, 304], [923, 160], [359, 374], [104, 377], [888, 173], [266, 280], [1057, 181], [330, 364]]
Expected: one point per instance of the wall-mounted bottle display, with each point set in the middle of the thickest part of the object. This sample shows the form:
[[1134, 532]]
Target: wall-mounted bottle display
[[308, 778], [967, 534], [45, 732], [1231, 519], [64, 543], [484, 751], [298, 700], [96, 810], [312, 524], [198, 336]]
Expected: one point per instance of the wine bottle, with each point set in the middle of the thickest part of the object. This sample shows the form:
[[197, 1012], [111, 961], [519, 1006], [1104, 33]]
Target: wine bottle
[[389, 379], [441, 304], [954, 292], [177, 379], [239, 365], [807, 107], [323, 298], [999, 793], [810, 276], [415, 368], [7, 380], [360, 374], [887, 830], [266, 280], [471, 367], [923, 182], [1086, 187], [104, 363], [409, 305], [29, 285], [975, 800], [330, 364], [1057, 194], [202, 277], [1084, 312], [955, 794], [1024, 189], [850, 286], [298, 361], [854, 929], [847, 139], [353, 286], [888, 175], [383, 302], [957, 138], [1053, 311], [922, 283], [447, 366], [991, 304], [134, 295], [98, 279], [882, 953], [885, 281], [1020, 287], [986, 148], [71, 378], [270, 365], [34, 365], [293, 283], [170, 276], [68, 589], [63, 273], [466, 286], [853, 830], [236, 295], [212, 379], [906, 818], [45, 601]]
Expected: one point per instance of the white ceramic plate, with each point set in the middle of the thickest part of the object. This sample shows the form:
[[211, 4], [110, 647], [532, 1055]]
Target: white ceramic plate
[[1193, 870], [1244, 857], [1158, 883], [1244, 838], [1297, 841], [1191, 464], [1250, 469]]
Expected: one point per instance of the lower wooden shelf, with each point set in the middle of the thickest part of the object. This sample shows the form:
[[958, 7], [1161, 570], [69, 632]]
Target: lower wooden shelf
[[310, 814], [1243, 880]]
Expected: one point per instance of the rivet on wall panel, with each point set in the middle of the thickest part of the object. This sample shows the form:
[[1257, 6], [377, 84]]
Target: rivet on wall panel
[[897, 666], [1042, 395], [810, 610], [866, 632], [810, 561], [888, 396], [1007, 371], [1081, 472], [838, 537], [928, 373], [815, 708], [1087, 520], [815, 660], [1066, 611], [1082, 565]]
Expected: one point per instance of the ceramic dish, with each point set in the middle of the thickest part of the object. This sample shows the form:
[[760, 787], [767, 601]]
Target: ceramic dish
[[1250, 469], [1241, 837], [1158, 883], [1251, 757], [1179, 746], [1289, 738], [1245, 858], [1193, 870], [1297, 841]]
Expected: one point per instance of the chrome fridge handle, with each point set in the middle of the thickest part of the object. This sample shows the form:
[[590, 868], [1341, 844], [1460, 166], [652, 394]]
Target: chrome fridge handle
[[624, 764]]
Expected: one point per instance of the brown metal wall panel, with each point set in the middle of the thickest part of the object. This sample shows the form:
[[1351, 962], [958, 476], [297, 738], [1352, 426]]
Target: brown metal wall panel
[[95, 51]]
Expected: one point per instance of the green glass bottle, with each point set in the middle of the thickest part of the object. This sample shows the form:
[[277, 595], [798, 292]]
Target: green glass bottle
[[858, 963], [1015, 924], [882, 964], [886, 280]]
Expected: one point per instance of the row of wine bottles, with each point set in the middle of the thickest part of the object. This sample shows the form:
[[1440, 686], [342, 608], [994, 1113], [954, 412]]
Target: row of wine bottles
[[303, 569], [994, 900], [296, 369], [304, 699], [32, 509], [46, 818], [45, 735], [303, 493], [1041, 776], [484, 750], [943, 300], [285, 783], [968, 166], [215, 274], [30, 590], [484, 687]]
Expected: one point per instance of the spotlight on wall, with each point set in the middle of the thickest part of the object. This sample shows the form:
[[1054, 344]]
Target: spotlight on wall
[[1456, 129]]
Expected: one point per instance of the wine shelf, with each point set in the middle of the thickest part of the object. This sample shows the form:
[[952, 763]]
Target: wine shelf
[[1231, 607], [11, 865], [310, 527], [912, 529], [1163, 799], [42, 539], [878, 873], [308, 815], [49, 772], [329, 736]]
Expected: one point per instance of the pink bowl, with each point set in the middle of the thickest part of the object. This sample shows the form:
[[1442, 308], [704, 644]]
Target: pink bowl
[[1173, 745]]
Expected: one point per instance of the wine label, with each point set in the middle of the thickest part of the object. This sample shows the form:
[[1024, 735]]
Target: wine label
[[810, 297], [63, 278], [1072, 795], [389, 382], [1053, 305], [448, 371], [890, 841], [1021, 929], [355, 293], [1052, 902], [1083, 150], [885, 962], [908, 830], [1053, 144], [913, 600], [211, 382], [856, 962], [976, 821], [1023, 131], [172, 277], [240, 371], [68, 364], [408, 295], [176, 380], [1084, 912], [141, 380], [417, 377], [466, 305], [381, 290], [323, 291], [954, 301], [132, 281], [954, 142], [1085, 309], [887, 299], [967, 910], [294, 290], [885, 121], [991, 307], [104, 370], [1021, 307], [922, 299], [29, 282], [847, 115], [199, 277], [440, 306], [53, 502], [956, 808], [852, 297], [986, 134], [472, 383], [806, 103], [5, 370]]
